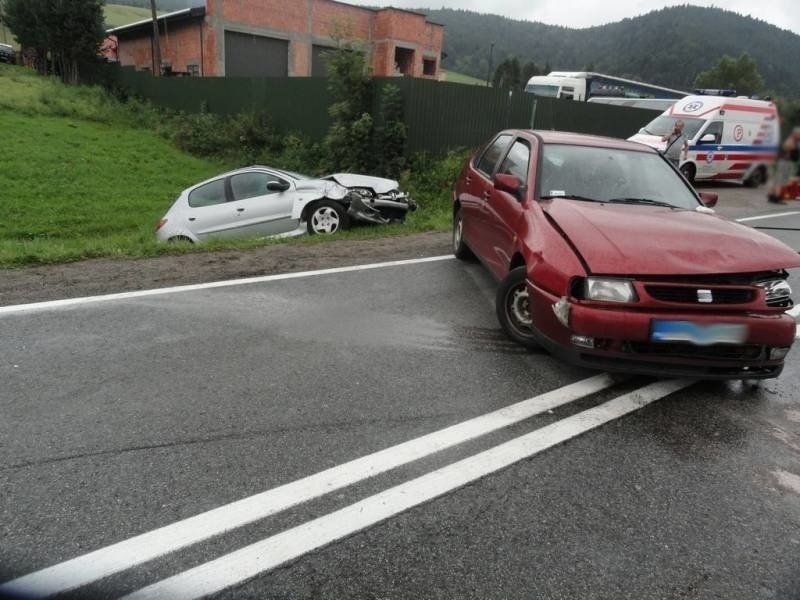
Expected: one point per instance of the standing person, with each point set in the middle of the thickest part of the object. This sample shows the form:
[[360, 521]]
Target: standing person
[[676, 141], [786, 165]]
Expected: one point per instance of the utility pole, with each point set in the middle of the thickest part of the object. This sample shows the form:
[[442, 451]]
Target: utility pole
[[156, 41], [491, 59]]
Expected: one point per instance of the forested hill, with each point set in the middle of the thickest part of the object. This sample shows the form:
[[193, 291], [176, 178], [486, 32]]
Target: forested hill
[[669, 46]]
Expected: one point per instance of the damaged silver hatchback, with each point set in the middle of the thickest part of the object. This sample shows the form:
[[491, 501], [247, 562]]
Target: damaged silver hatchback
[[265, 202]]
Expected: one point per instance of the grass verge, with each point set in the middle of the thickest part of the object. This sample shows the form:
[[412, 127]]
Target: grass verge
[[87, 176]]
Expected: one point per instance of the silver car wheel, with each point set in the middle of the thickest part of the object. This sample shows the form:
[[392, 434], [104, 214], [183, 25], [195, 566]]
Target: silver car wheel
[[519, 307], [458, 231], [325, 220]]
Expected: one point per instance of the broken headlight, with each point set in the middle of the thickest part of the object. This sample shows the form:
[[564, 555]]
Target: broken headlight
[[778, 293]]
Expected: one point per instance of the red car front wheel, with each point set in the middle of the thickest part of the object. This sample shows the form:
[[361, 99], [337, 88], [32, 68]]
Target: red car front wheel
[[514, 308]]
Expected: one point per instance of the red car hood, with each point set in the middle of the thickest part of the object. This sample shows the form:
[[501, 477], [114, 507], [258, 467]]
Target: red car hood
[[617, 239]]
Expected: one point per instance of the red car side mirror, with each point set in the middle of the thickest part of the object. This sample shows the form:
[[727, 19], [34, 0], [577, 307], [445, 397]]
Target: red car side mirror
[[508, 183], [709, 199]]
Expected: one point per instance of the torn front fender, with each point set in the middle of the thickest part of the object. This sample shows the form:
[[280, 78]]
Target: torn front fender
[[359, 210]]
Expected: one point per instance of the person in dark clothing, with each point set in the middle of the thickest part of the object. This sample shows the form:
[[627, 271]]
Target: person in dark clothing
[[786, 166]]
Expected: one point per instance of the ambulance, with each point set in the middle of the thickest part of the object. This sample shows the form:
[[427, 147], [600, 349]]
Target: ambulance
[[732, 139]]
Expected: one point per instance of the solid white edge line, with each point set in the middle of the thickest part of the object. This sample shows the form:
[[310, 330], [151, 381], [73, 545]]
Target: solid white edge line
[[772, 216], [20, 308], [117, 557], [250, 561]]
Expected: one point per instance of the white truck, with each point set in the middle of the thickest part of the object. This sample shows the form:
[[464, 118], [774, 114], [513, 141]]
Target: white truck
[[732, 139], [585, 85]]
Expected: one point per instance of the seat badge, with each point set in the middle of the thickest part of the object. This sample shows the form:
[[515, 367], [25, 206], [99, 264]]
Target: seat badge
[[705, 296]]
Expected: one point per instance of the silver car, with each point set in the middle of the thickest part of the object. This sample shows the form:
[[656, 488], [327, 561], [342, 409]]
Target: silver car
[[265, 202]]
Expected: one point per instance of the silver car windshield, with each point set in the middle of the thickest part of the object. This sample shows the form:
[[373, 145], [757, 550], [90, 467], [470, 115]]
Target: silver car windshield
[[611, 175]]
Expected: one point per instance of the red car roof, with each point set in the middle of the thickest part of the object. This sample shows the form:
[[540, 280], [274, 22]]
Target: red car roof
[[579, 139]]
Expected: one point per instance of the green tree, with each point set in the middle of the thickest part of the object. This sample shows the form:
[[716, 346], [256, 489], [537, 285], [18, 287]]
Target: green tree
[[530, 69], [64, 33], [391, 133], [349, 139], [740, 74], [357, 140], [508, 74]]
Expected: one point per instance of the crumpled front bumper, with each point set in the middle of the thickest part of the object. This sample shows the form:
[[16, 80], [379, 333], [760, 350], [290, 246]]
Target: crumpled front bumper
[[380, 210], [622, 340]]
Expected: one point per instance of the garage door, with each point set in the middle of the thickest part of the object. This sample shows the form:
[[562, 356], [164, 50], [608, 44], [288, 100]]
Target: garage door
[[248, 55], [319, 66]]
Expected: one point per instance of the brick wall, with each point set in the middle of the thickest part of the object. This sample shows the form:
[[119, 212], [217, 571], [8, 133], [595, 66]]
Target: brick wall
[[180, 46], [303, 22]]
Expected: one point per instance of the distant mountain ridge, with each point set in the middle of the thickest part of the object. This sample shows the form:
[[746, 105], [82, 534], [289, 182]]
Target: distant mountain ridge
[[667, 47]]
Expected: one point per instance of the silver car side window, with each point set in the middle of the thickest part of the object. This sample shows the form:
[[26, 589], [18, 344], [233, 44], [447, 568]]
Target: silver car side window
[[208, 194], [251, 185]]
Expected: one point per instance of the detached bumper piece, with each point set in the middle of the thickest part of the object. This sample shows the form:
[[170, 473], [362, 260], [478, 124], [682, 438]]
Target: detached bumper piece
[[380, 210]]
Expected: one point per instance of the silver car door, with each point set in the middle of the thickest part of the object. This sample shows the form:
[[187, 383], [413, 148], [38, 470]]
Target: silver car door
[[209, 214], [260, 211]]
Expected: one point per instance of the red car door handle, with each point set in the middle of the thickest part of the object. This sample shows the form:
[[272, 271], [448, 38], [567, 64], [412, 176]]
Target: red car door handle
[[468, 179], [486, 195]]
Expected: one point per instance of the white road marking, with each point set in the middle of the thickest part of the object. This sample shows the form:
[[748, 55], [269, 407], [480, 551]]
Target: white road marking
[[250, 561], [37, 306], [772, 216], [112, 559]]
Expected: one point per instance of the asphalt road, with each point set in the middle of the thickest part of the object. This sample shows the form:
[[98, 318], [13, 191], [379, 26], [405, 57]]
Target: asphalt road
[[126, 416]]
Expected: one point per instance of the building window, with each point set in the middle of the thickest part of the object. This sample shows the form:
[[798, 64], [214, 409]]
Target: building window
[[193, 70], [429, 67], [404, 61]]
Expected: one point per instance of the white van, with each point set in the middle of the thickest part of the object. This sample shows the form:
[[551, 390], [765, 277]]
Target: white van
[[730, 139]]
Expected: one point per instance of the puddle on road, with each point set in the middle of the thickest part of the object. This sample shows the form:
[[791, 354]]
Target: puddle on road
[[404, 331]]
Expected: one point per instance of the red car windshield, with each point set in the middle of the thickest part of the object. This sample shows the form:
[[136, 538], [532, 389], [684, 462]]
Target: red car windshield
[[611, 175]]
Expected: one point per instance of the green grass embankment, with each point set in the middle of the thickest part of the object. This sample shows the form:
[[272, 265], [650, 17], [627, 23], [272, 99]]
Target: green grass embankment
[[77, 180], [84, 176]]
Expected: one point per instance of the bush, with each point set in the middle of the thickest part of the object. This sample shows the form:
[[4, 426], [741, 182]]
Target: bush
[[201, 134], [430, 181]]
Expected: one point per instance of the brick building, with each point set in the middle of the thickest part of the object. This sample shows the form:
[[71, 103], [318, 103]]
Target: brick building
[[280, 38]]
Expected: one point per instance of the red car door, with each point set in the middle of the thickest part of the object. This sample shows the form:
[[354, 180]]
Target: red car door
[[478, 182], [503, 210]]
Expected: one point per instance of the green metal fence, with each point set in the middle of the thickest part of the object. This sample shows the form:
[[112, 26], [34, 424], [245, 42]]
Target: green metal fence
[[298, 104], [439, 115]]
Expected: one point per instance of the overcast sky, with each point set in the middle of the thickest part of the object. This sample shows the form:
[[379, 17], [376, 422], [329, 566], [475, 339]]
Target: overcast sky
[[585, 13]]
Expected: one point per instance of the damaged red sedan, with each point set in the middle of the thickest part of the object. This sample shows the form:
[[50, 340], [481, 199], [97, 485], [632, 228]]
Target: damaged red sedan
[[608, 258]]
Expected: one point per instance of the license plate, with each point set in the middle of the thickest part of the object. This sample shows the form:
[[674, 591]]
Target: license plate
[[697, 333]]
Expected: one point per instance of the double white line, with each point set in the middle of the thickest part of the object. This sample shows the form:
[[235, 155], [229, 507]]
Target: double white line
[[239, 566]]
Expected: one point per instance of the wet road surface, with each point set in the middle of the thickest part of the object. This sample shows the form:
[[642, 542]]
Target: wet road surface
[[128, 417]]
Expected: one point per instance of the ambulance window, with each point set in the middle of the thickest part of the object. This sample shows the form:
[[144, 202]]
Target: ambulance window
[[714, 129]]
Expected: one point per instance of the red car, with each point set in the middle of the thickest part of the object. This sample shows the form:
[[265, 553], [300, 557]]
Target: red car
[[607, 257]]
